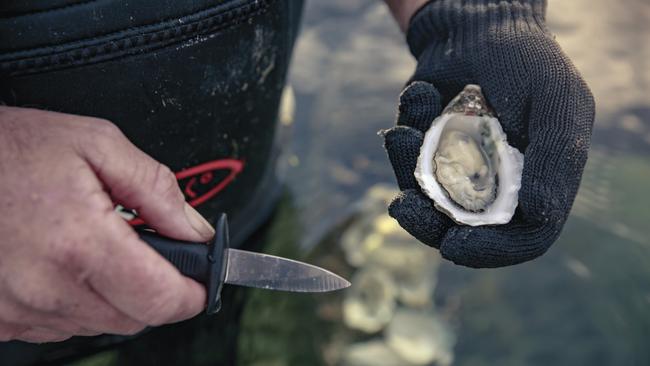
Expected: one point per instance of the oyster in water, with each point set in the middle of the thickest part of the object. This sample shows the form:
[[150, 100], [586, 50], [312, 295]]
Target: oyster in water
[[466, 165], [420, 337], [371, 301], [372, 353]]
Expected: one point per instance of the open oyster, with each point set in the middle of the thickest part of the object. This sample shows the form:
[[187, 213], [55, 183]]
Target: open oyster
[[466, 165]]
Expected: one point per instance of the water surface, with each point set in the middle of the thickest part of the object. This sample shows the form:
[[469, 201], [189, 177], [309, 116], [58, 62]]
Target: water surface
[[587, 301]]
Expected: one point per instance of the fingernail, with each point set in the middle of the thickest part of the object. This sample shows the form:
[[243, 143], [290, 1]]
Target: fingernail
[[198, 222]]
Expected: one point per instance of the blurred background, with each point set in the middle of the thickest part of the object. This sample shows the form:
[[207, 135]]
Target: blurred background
[[586, 302]]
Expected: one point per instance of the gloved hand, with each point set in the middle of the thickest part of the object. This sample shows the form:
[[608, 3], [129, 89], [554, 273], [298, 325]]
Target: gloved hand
[[544, 106]]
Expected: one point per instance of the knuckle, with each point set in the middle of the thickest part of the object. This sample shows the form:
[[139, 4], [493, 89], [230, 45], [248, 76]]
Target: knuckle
[[87, 333], [6, 336], [97, 201], [112, 321], [28, 294], [9, 333], [101, 137], [36, 300], [165, 184], [70, 253], [99, 140], [104, 128], [35, 337], [60, 338], [130, 328], [162, 308], [104, 320]]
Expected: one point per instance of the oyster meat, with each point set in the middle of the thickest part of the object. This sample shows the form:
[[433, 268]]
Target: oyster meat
[[466, 165]]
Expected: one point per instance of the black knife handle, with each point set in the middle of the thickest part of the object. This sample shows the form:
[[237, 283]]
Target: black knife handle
[[204, 263], [189, 258]]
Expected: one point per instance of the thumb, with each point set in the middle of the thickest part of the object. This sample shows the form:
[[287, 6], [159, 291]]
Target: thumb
[[137, 181]]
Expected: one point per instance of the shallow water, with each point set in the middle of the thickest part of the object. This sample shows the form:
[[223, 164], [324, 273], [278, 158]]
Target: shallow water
[[587, 301]]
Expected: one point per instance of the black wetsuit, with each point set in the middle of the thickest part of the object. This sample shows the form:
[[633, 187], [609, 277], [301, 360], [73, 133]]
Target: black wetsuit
[[195, 84]]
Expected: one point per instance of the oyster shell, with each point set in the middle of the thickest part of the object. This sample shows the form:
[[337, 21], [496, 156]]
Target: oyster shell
[[420, 338], [376, 239], [466, 165], [372, 353], [369, 304]]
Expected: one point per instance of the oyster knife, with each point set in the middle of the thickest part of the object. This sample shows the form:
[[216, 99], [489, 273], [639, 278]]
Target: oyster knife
[[214, 264]]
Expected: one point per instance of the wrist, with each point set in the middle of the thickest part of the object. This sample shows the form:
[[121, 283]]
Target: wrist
[[444, 19]]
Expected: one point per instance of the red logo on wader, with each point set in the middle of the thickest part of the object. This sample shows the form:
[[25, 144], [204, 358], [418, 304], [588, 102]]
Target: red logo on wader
[[199, 183]]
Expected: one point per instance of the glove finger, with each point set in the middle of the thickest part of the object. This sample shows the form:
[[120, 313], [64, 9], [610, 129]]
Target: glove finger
[[560, 127], [416, 214], [497, 246], [419, 105], [403, 147]]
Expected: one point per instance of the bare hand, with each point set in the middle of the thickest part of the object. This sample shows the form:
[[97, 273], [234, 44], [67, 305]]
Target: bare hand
[[69, 264]]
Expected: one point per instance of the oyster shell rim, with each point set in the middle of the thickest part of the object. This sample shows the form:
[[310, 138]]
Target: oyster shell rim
[[501, 210]]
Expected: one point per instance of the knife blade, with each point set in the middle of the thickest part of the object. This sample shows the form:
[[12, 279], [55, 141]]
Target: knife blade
[[214, 264], [277, 273]]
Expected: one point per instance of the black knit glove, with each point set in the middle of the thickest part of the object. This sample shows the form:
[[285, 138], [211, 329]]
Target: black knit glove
[[544, 106]]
